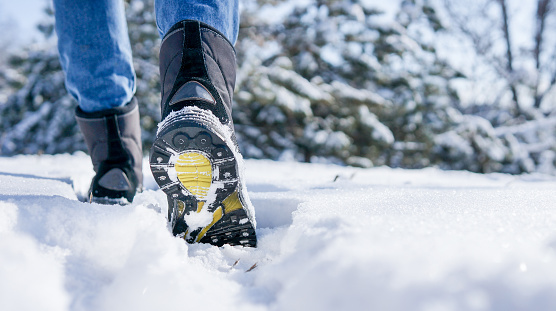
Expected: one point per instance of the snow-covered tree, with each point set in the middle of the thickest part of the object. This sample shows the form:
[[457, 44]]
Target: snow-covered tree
[[513, 42], [511, 61], [334, 80]]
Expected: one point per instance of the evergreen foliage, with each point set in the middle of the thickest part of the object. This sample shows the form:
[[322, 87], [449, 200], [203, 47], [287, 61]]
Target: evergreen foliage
[[340, 84], [39, 116]]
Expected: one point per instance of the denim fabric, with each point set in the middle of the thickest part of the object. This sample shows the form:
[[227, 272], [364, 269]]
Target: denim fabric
[[220, 14], [95, 52], [94, 46]]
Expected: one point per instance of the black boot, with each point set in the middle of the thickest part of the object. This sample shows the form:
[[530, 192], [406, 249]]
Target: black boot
[[195, 159], [113, 138]]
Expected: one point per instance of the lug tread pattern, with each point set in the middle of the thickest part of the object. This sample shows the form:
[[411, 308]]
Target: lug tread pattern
[[194, 133]]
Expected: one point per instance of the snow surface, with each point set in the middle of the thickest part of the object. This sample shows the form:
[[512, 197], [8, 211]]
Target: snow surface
[[330, 238]]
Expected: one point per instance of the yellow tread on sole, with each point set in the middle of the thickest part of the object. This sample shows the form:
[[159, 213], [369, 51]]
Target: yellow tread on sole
[[215, 218], [195, 173], [232, 203]]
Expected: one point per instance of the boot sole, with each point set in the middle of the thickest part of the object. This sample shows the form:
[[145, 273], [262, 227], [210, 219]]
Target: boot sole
[[197, 168]]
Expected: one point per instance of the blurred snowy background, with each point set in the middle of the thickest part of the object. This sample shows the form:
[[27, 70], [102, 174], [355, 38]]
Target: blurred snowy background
[[19, 21], [406, 83]]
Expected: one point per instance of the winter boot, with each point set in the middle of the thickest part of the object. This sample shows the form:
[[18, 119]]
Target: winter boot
[[113, 138], [195, 159]]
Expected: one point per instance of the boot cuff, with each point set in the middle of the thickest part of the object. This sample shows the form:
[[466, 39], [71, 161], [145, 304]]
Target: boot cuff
[[182, 25], [108, 112]]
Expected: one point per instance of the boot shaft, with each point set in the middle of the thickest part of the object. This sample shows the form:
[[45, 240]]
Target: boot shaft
[[197, 68], [113, 138], [195, 159]]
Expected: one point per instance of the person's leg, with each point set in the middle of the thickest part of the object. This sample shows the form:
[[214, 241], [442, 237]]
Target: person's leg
[[95, 52], [220, 14], [195, 158]]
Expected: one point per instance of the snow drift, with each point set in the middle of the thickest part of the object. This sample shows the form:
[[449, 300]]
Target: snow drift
[[330, 238]]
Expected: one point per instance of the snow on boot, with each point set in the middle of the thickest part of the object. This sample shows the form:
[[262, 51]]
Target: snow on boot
[[113, 138], [195, 159]]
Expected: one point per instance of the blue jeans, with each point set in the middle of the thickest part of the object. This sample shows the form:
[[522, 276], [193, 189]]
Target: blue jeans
[[94, 46]]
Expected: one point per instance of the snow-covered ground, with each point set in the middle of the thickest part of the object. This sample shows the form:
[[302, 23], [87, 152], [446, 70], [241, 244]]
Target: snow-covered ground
[[330, 238]]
